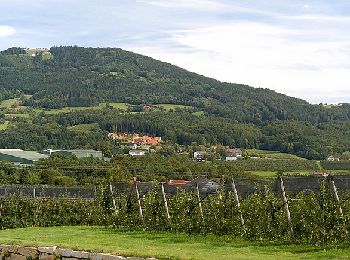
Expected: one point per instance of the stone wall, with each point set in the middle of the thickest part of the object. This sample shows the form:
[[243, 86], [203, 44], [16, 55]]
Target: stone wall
[[12, 252]]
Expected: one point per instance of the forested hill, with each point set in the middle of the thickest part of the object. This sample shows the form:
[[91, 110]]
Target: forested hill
[[74, 76], [215, 112]]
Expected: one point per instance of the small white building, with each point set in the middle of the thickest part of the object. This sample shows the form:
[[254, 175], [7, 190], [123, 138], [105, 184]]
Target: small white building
[[333, 159], [199, 156], [234, 154], [137, 152], [133, 146]]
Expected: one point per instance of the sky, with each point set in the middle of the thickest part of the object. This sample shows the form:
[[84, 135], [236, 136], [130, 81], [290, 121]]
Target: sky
[[296, 47]]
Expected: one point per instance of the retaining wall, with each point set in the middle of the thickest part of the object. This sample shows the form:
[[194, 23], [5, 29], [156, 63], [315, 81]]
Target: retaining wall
[[12, 252]]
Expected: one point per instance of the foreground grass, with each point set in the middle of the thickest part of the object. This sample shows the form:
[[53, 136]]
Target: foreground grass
[[160, 245]]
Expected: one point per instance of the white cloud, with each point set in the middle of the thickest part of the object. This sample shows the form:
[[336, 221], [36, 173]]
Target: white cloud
[[320, 18], [192, 4], [6, 31], [312, 64]]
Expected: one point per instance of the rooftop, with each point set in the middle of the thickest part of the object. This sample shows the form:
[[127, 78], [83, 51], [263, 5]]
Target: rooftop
[[29, 155]]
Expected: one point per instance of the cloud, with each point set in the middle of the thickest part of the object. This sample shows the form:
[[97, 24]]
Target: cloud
[[319, 18], [305, 63], [187, 4], [6, 31]]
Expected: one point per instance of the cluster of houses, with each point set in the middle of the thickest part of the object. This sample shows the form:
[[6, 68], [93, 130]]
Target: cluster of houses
[[136, 139], [37, 51], [138, 144]]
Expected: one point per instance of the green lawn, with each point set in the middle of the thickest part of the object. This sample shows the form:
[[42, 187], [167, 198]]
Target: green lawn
[[168, 107], [9, 102], [161, 245], [270, 174], [271, 154], [122, 106]]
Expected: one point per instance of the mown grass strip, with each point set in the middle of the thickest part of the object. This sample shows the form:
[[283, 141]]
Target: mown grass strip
[[161, 245]]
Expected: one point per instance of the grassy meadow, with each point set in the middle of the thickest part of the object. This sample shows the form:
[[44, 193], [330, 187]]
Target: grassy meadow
[[162, 245]]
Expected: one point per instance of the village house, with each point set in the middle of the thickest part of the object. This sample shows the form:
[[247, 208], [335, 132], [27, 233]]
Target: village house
[[318, 174], [137, 152], [178, 183], [199, 156], [233, 154], [133, 146], [332, 158]]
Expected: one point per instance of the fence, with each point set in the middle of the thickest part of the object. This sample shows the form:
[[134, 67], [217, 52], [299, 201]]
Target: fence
[[244, 186]]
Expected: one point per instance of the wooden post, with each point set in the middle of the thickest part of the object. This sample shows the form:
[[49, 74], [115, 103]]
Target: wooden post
[[235, 193], [199, 202], [34, 192], [113, 199], [165, 202], [138, 200], [285, 206], [336, 196]]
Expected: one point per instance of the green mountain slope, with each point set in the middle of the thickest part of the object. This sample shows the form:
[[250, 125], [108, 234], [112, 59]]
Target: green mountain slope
[[74, 76]]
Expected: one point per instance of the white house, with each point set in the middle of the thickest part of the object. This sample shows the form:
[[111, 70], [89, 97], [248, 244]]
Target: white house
[[234, 154], [333, 159], [137, 152], [199, 156]]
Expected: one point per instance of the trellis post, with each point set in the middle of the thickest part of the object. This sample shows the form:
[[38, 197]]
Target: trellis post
[[235, 193], [336, 196], [113, 199], [138, 200], [165, 202], [285, 205], [199, 202]]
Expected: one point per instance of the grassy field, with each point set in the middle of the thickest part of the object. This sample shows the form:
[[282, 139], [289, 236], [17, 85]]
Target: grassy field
[[9, 102], [271, 154], [27, 112], [162, 245], [270, 174], [168, 107]]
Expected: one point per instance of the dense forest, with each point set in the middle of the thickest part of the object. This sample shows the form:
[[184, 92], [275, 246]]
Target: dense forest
[[230, 114]]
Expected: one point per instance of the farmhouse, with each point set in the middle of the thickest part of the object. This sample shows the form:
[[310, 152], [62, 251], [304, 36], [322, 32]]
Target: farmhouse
[[332, 158], [199, 156], [21, 157], [233, 154]]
